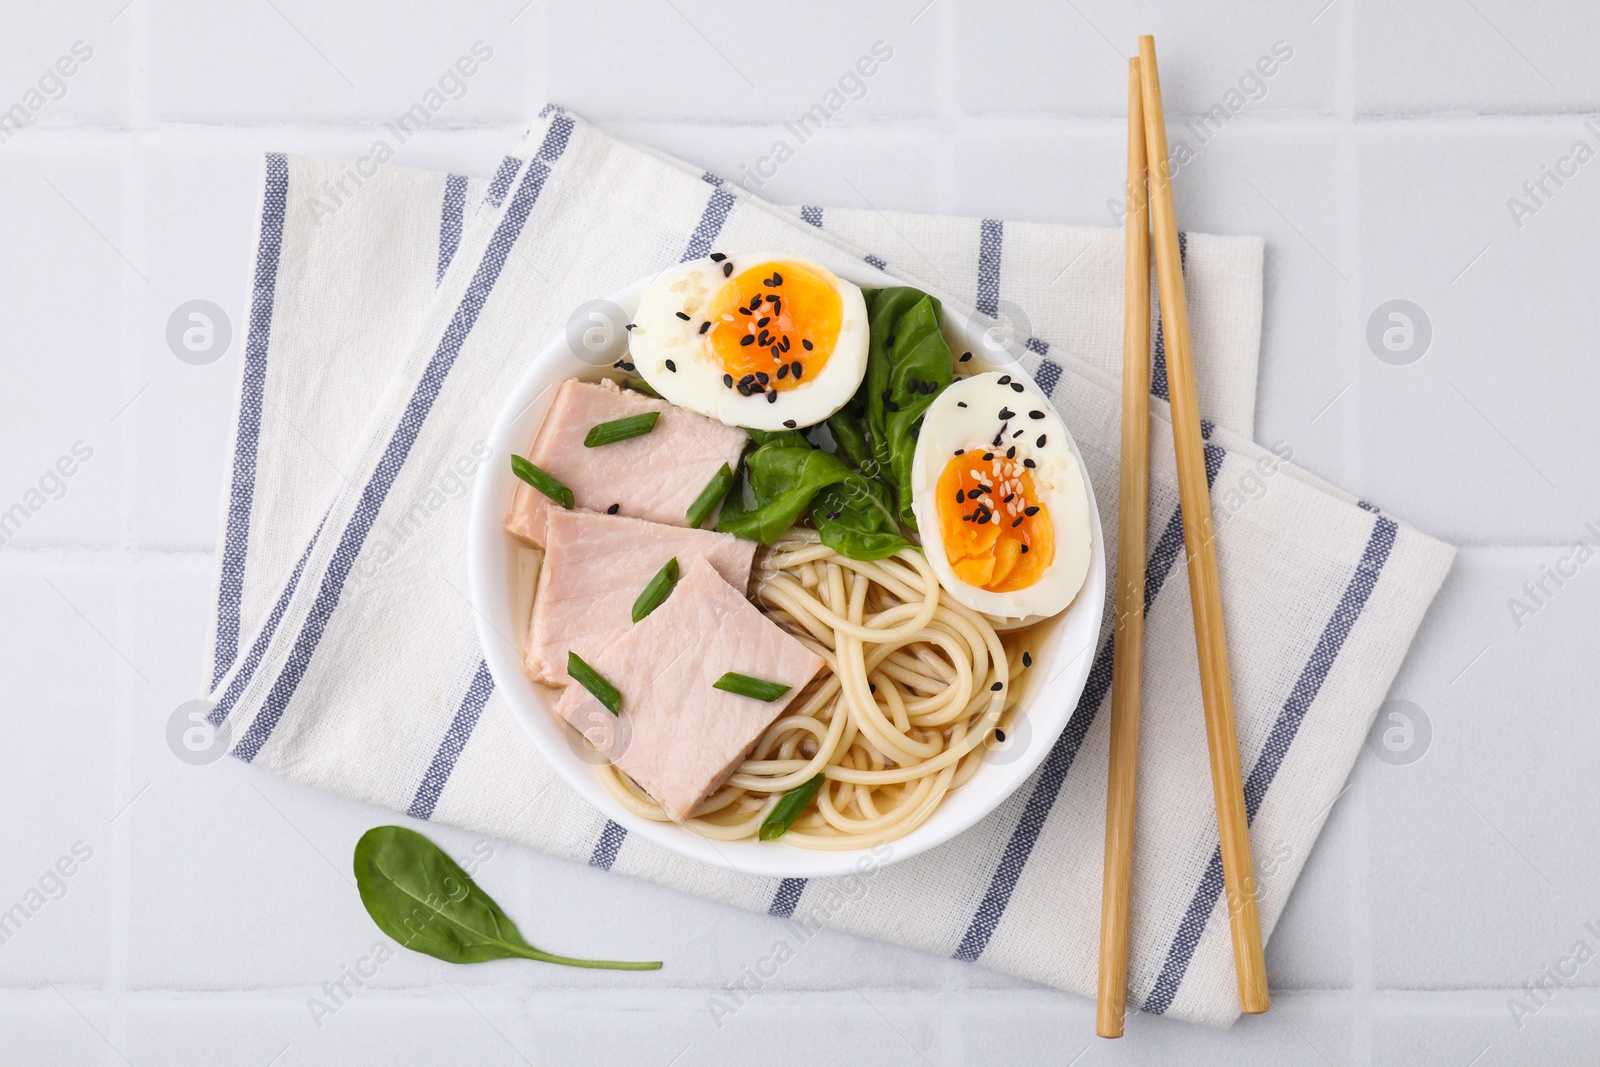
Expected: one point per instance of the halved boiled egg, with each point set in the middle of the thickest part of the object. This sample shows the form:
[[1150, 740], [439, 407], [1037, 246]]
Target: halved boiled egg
[[999, 498], [767, 342]]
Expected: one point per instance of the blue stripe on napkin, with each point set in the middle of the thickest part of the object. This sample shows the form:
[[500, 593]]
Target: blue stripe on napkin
[[500, 184], [990, 233], [1273, 752], [1036, 811], [248, 436], [451, 214], [455, 739], [258, 648], [811, 215], [787, 897], [404, 436]]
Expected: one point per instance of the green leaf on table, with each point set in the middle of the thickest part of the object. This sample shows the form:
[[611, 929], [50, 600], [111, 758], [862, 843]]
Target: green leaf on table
[[420, 897]]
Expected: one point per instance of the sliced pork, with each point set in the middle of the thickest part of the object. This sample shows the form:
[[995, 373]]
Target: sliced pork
[[595, 567], [676, 735], [655, 476]]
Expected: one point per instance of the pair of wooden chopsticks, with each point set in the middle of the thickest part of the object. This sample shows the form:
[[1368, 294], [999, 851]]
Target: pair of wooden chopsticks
[[1147, 141]]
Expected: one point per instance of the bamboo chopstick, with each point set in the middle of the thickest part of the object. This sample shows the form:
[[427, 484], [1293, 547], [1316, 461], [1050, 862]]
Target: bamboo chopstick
[[1216, 690], [1128, 632]]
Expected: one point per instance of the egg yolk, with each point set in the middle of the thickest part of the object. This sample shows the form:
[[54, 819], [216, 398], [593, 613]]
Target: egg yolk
[[997, 536], [774, 326]]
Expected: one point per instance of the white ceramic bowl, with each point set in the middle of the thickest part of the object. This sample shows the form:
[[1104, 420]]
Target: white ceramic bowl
[[501, 571]]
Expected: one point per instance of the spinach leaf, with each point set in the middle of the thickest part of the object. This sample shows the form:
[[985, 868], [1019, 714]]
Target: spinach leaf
[[781, 438], [901, 381], [885, 309], [923, 367], [781, 476], [421, 898], [856, 518], [848, 427]]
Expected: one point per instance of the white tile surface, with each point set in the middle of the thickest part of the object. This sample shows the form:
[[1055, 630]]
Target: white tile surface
[[1377, 162]]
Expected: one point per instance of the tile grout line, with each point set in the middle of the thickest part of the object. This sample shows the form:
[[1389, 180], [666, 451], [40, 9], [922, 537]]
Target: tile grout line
[[135, 238], [1349, 192]]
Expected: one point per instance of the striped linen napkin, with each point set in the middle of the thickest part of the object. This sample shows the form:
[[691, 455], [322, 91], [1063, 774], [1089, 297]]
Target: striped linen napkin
[[392, 312]]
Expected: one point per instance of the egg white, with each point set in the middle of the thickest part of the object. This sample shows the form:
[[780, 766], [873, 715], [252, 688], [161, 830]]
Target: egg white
[[659, 335], [1057, 481]]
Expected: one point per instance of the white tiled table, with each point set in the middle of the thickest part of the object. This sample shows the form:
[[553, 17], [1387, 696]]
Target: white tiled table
[[1378, 164]]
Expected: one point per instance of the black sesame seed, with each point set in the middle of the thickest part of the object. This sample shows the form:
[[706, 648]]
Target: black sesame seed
[[630, 326], [783, 371], [682, 315], [744, 311], [777, 352], [1011, 453], [671, 366], [835, 515], [1036, 414], [773, 298], [961, 497], [965, 356], [727, 379], [1028, 463], [717, 257], [628, 366], [1031, 510], [891, 405], [785, 344], [1017, 521], [961, 403], [996, 441], [890, 342], [789, 423], [727, 270], [761, 376], [805, 345], [1040, 442], [1016, 387], [772, 398], [1007, 414], [1027, 659], [1005, 379], [612, 510], [1024, 549], [795, 369], [704, 326], [1018, 434], [763, 320], [996, 687], [747, 339], [1000, 735], [987, 456], [959, 451], [1007, 498]]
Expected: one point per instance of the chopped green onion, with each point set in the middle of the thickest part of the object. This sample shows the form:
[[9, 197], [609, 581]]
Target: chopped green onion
[[710, 496], [590, 679], [659, 588], [542, 481], [777, 823], [746, 686], [609, 433], [639, 385]]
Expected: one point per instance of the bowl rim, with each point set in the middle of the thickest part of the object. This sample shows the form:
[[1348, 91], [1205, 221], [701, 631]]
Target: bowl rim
[[491, 566]]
